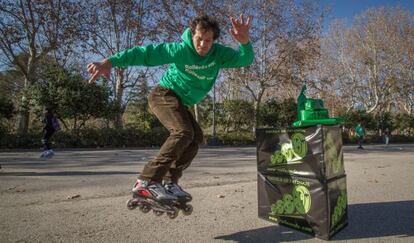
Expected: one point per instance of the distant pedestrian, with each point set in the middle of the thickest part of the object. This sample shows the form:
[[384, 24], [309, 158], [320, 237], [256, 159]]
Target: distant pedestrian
[[51, 125], [360, 133], [387, 135]]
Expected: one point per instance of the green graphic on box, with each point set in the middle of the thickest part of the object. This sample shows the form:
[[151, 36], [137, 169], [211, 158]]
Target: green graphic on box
[[333, 153], [340, 208], [296, 203], [292, 152]]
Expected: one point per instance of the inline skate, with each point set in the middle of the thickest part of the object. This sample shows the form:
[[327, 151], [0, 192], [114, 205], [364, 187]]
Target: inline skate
[[156, 198]]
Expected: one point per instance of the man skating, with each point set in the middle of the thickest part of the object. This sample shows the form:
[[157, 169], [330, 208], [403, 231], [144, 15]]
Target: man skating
[[51, 125], [360, 133], [194, 66]]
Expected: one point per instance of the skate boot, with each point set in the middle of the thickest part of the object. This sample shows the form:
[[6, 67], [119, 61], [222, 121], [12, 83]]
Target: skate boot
[[177, 191], [50, 153], [44, 154], [152, 195], [183, 197]]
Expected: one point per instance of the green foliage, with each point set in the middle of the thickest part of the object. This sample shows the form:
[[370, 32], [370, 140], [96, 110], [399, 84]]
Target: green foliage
[[231, 115], [239, 114], [353, 117], [278, 114], [404, 123], [137, 113], [6, 112], [394, 121], [236, 138], [89, 137], [6, 108]]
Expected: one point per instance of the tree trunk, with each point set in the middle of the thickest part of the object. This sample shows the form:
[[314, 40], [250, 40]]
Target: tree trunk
[[119, 91], [24, 116], [196, 113], [23, 122]]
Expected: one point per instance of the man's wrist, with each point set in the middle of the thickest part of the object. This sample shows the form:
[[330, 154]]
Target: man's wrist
[[244, 43], [107, 63]]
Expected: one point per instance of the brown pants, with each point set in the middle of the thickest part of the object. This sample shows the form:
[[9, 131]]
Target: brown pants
[[181, 146]]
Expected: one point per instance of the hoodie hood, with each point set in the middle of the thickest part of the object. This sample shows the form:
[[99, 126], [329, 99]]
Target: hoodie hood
[[188, 39]]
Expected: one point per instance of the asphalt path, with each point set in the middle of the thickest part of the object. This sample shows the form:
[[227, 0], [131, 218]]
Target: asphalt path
[[80, 196]]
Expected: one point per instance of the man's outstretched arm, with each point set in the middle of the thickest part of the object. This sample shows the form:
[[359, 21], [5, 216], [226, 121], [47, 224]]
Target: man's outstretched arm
[[150, 55]]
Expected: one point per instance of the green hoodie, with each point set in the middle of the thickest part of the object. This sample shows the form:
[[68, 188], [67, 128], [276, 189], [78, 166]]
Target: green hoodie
[[360, 132], [189, 75]]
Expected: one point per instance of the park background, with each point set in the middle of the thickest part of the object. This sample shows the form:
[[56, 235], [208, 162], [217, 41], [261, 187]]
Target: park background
[[359, 60]]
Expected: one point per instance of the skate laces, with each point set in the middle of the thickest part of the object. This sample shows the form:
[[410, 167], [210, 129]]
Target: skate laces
[[160, 191], [157, 187], [174, 188]]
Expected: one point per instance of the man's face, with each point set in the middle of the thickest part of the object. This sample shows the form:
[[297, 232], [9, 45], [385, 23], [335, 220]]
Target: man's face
[[202, 41]]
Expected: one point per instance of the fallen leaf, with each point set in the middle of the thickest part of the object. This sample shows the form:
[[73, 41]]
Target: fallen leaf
[[74, 196]]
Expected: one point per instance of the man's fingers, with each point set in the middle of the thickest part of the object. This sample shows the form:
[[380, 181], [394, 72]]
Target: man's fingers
[[233, 22], [241, 22], [249, 19], [94, 77], [91, 68]]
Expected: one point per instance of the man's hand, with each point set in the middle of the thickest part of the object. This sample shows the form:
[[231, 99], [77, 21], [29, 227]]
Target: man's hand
[[97, 69], [240, 30]]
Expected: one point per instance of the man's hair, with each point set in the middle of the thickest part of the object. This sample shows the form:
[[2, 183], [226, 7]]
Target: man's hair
[[205, 23]]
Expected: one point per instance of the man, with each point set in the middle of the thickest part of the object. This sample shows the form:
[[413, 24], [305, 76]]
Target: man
[[51, 125], [360, 133], [387, 135], [194, 65]]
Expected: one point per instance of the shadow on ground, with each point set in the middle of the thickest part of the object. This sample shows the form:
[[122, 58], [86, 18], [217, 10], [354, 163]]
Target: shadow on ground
[[371, 220]]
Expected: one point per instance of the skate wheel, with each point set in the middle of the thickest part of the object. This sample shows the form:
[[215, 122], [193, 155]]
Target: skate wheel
[[144, 209], [131, 204], [187, 210], [172, 215], [158, 213]]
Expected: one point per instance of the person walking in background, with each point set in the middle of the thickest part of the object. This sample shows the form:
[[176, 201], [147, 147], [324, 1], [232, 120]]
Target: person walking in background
[[51, 125], [387, 135], [360, 133]]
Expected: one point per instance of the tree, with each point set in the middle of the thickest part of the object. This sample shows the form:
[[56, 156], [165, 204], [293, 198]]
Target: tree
[[368, 64], [71, 98], [276, 113], [115, 26], [286, 35], [34, 29], [6, 108], [138, 110]]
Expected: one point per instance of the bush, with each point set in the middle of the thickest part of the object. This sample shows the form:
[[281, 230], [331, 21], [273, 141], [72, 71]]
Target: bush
[[237, 138], [89, 138]]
